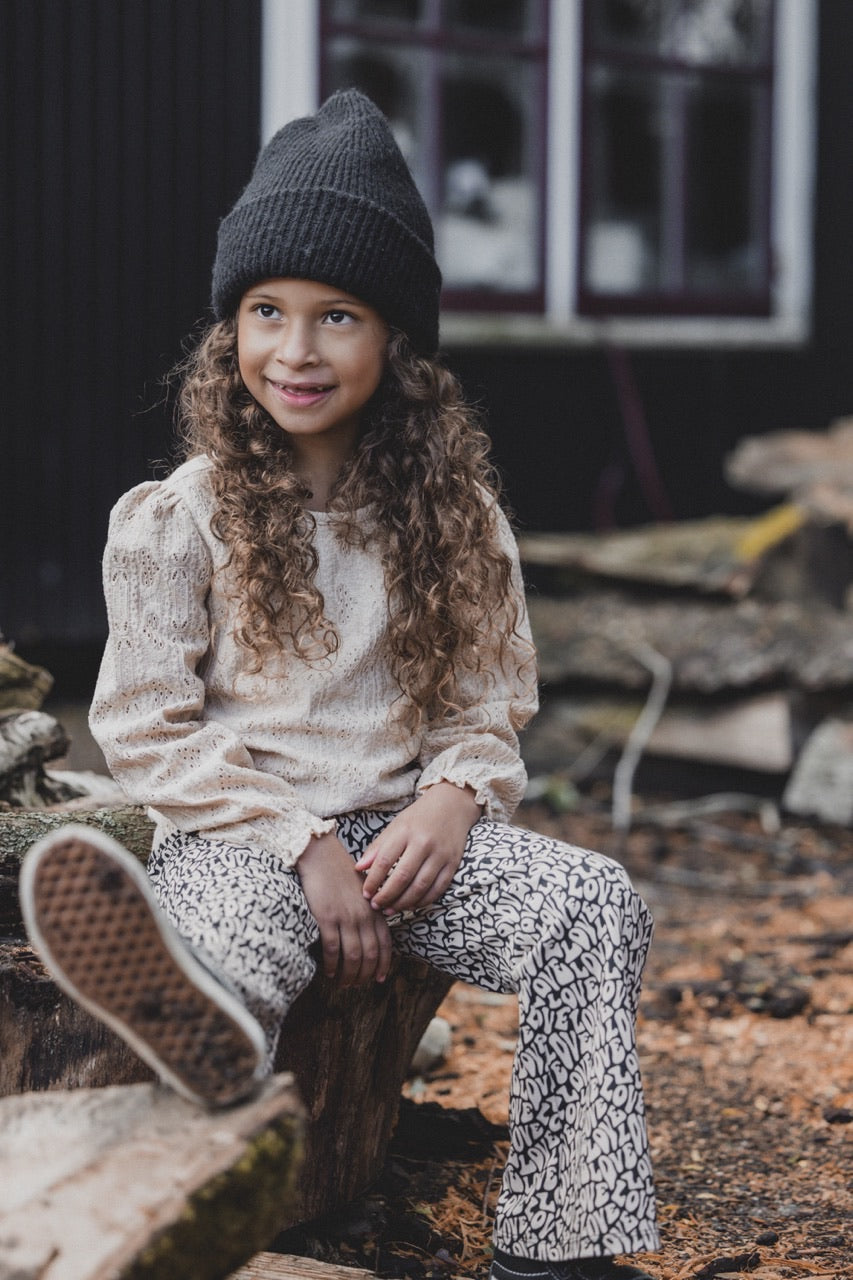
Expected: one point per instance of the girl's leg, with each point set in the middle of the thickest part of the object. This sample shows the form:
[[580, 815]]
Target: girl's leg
[[563, 928], [244, 915]]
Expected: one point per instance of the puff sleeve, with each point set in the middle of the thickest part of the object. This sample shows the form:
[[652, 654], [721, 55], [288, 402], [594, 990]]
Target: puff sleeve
[[148, 711], [478, 746]]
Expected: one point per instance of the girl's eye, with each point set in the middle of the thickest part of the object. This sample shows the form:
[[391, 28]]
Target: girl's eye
[[338, 317], [266, 310]]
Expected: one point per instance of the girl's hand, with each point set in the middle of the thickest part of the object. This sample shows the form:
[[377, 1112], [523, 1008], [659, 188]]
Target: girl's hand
[[356, 941], [413, 860]]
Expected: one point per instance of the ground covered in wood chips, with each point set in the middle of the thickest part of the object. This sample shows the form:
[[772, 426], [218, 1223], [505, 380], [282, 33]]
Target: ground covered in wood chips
[[746, 1044]]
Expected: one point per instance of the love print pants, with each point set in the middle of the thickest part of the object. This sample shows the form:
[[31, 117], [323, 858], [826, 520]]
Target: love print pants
[[560, 926]]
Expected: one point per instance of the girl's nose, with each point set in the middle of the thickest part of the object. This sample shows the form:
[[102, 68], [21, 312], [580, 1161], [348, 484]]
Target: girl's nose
[[296, 346]]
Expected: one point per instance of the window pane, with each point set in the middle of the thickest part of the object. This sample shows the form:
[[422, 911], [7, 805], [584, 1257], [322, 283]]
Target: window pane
[[725, 186], [376, 10], [488, 217], [624, 172], [675, 184], [727, 32], [496, 17]]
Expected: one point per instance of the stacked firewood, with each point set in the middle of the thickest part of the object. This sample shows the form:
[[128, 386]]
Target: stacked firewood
[[726, 641]]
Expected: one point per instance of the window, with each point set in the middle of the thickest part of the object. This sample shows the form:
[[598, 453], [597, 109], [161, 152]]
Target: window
[[639, 169], [463, 84], [676, 157]]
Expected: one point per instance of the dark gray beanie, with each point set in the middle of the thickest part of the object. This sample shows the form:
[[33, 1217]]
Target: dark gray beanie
[[332, 199]]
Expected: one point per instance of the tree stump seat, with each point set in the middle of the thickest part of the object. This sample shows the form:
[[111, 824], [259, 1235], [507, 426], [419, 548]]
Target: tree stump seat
[[348, 1049]]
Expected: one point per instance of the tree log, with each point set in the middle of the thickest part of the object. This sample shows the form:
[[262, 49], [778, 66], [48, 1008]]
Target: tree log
[[349, 1049], [287, 1266], [713, 647], [135, 1181], [28, 739], [22, 685]]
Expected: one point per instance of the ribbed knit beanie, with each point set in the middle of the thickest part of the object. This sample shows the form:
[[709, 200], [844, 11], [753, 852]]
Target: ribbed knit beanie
[[332, 199]]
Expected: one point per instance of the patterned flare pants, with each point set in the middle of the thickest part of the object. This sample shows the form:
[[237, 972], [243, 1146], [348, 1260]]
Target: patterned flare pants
[[560, 926]]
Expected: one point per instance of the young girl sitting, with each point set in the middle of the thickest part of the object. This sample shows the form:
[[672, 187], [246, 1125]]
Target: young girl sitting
[[318, 660]]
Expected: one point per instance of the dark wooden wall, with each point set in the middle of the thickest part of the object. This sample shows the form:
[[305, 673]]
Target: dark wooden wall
[[128, 128]]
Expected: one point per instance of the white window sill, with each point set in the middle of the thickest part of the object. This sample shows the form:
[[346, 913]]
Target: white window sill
[[490, 329]]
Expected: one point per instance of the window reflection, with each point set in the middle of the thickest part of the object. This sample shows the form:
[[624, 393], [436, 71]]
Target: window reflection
[[486, 227], [725, 209], [624, 163], [700, 31], [377, 10], [507, 17], [676, 155]]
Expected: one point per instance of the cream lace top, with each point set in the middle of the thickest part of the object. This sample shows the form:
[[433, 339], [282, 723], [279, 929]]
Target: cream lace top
[[268, 759]]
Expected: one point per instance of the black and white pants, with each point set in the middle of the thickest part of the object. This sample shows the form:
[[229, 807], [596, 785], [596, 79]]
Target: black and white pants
[[560, 926]]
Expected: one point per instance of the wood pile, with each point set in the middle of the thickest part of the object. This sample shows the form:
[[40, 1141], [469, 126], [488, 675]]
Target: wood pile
[[741, 627], [349, 1051]]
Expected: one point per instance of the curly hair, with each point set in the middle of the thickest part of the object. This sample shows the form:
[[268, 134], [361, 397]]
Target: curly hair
[[422, 461]]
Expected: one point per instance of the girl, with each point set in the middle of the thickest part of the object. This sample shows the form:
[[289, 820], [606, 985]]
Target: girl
[[318, 661]]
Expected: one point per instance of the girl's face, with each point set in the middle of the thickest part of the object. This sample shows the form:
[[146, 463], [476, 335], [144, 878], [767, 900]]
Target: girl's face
[[312, 356]]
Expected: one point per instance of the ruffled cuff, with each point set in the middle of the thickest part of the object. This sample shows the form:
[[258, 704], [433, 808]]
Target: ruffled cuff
[[499, 797]]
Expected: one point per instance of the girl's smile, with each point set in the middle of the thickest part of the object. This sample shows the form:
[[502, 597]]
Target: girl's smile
[[312, 356]]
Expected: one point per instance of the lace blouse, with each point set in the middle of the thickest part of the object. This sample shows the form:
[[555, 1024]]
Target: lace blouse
[[269, 758]]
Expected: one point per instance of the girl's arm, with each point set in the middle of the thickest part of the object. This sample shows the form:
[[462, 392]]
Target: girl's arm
[[148, 709], [471, 766], [477, 747]]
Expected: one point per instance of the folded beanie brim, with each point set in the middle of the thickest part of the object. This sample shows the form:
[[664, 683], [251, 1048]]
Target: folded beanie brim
[[319, 234]]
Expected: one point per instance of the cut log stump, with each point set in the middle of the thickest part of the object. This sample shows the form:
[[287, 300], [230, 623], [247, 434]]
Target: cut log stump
[[134, 1181], [349, 1049]]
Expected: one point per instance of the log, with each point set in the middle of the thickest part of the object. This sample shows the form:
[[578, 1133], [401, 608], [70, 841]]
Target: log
[[791, 461], [289, 1266], [755, 733], [22, 685], [27, 740], [20, 828], [713, 647], [137, 1182], [717, 555], [349, 1049]]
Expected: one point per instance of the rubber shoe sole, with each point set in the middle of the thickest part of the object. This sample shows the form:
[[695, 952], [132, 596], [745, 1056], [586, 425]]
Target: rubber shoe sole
[[93, 919]]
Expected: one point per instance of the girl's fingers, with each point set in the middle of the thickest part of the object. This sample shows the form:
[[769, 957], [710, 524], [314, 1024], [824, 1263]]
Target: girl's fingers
[[330, 941], [395, 882], [366, 860], [408, 888], [383, 963], [383, 860], [365, 954]]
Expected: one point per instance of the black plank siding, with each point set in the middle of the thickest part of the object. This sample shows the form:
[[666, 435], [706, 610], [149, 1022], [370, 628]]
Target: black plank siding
[[128, 127]]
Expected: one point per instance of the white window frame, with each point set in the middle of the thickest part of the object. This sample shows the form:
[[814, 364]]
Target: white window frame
[[290, 63]]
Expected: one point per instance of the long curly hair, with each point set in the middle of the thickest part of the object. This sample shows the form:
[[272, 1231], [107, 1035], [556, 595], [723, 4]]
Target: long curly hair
[[422, 462]]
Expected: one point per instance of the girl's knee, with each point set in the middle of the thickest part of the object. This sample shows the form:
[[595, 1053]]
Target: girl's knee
[[593, 887]]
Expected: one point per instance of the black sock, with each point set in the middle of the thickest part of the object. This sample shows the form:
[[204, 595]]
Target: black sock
[[536, 1267], [524, 1266]]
